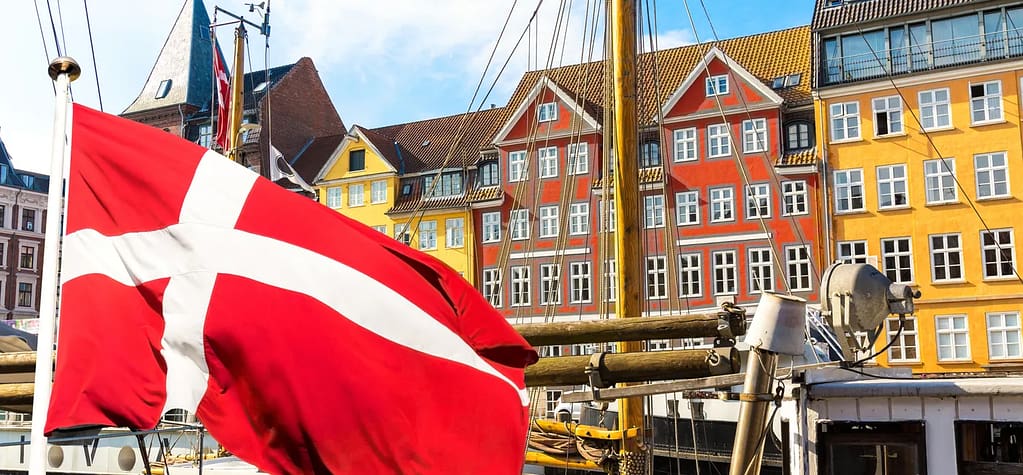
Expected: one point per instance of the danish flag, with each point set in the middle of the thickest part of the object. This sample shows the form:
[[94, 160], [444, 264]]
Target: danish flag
[[223, 87], [303, 340]]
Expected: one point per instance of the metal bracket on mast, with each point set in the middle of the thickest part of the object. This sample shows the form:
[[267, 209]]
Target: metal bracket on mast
[[593, 371]]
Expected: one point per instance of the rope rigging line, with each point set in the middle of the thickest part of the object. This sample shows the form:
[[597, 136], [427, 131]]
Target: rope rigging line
[[53, 25], [42, 36], [92, 50]]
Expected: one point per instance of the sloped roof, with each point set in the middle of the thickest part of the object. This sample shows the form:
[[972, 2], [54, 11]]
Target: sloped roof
[[9, 176], [838, 13], [186, 60], [255, 79], [799, 157], [426, 144], [765, 55], [312, 158]]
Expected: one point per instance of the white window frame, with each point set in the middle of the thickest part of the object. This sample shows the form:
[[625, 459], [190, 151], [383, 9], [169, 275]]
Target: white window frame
[[908, 339], [518, 221], [716, 85], [844, 120], [550, 284], [956, 329], [760, 270], [517, 166], [888, 110], [491, 226], [686, 144], [852, 252], [35, 254], [492, 286], [656, 277], [547, 218], [521, 295], [797, 263], [334, 197], [454, 233], [939, 181], [946, 250], [722, 203], [579, 218], [611, 281], [901, 259], [992, 175], [381, 228], [547, 112], [356, 195], [797, 135], [687, 207], [934, 109], [758, 201], [580, 282], [547, 159], [995, 251], [849, 188], [578, 158], [1000, 331], [988, 104], [719, 141], [754, 135], [653, 211], [891, 182], [795, 198], [690, 270], [725, 270], [378, 192], [428, 235]]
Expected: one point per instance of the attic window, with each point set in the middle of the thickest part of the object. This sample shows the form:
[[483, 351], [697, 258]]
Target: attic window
[[547, 112], [261, 86], [163, 89], [426, 143], [406, 189], [790, 80]]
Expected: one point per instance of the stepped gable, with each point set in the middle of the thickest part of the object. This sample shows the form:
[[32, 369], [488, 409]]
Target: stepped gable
[[765, 55], [834, 13]]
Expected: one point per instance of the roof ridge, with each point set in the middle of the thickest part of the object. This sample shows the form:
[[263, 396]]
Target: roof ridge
[[478, 111]]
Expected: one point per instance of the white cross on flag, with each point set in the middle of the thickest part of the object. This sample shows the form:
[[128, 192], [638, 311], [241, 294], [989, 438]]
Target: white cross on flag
[[304, 341]]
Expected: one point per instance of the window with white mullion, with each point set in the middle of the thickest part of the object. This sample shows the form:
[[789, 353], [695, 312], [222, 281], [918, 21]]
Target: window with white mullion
[[492, 286], [685, 144], [946, 257], [548, 160], [428, 235], [580, 276], [848, 190], [690, 272], [520, 286], [687, 207], [999, 253], [718, 141], [550, 284], [939, 181], [517, 166], [611, 281], [898, 259], [891, 186], [845, 121], [992, 175], [906, 347], [656, 277], [797, 262], [724, 265], [1003, 334], [758, 201], [454, 232], [794, 195], [986, 102], [722, 205], [935, 109], [492, 227], [578, 159], [953, 335], [887, 115], [761, 272], [547, 112], [579, 218], [717, 85], [548, 218], [519, 224], [852, 252], [653, 211], [754, 135]]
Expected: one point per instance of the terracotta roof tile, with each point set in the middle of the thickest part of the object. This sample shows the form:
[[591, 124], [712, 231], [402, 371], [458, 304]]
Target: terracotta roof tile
[[426, 144], [315, 156], [646, 176], [852, 12], [486, 193], [798, 158]]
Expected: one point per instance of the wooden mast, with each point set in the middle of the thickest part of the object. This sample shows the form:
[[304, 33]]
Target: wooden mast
[[628, 245], [237, 105]]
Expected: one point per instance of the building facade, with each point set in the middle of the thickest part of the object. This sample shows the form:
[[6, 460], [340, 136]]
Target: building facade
[[22, 216], [918, 124]]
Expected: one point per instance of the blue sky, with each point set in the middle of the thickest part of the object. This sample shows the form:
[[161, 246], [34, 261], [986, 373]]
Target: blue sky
[[382, 61]]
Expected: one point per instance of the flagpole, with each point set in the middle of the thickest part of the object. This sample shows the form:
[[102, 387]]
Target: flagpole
[[62, 70]]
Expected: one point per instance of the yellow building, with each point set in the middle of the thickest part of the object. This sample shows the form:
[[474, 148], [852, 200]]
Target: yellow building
[[413, 182], [919, 127]]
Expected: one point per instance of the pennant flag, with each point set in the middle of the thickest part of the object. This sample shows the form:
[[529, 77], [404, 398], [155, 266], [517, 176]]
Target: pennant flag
[[311, 344], [223, 86], [280, 168]]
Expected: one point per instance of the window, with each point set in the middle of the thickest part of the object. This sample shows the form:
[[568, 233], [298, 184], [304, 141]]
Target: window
[[3, 262], [28, 257], [685, 144], [489, 173], [999, 253], [722, 204], [550, 285], [891, 187], [548, 217], [516, 166], [953, 337], [450, 184], [797, 260], [205, 135], [492, 227], [887, 116], [906, 346], [946, 257], [794, 196], [355, 195], [402, 234], [520, 286], [798, 136], [547, 112], [548, 157], [898, 259], [656, 277], [609, 216], [454, 232], [334, 197], [1003, 334], [845, 121], [848, 190], [761, 273], [852, 252], [492, 286], [935, 109], [579, 273], [553, 399], [519, 224], [687, 207], [380, 229], [650, 154], [611, 281], [579, 218], [28, 219], [758, 201], [877, 448], [578, 159], [717, 85], [3, 213], [718, 141], [992, 175], [654, 211], [690, 272], [754, 135], [406, 189], [724, 272], [378, 192], [939, 181], [356, 160], [428, 235], [986, 102], [25, 297], [163, 89]]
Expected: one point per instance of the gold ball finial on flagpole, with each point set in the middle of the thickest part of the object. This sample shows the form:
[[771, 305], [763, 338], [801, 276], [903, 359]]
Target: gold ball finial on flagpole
[[64, 65]]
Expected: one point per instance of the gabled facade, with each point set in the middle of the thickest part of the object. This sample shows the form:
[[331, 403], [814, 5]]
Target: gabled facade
[[22, 231], [919, 126]]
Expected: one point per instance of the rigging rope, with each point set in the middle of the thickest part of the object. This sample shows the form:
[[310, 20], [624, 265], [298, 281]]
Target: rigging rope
[[42, 36], [92, 49]]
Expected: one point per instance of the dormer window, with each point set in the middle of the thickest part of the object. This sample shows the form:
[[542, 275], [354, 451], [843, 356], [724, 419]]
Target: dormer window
[[489, 173], [547, 112], [798, 135], [163, 89], [717, 85], [450, 185], [356, 160], [406, 189], [781, 82], [261, 86]]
